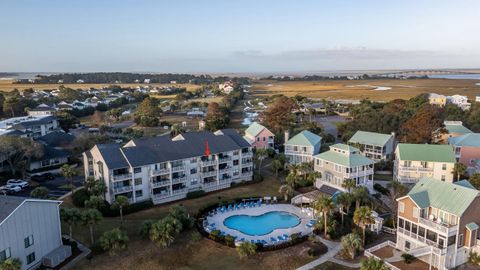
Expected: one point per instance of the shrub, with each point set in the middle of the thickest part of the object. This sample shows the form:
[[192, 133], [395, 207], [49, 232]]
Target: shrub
[[257, 177], [474, 258], [107, 210], [312, 252], [195, 194], [383, 190], [215, 236], [408, 258], [229, 240], [195, 236], [246, 249], [79, 197], [145, 228]]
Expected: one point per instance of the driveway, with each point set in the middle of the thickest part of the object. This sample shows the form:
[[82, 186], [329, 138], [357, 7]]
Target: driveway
[[54, 186]]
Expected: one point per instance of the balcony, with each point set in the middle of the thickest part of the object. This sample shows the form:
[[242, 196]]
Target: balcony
[[225, 159], [179, 191], [161, 195], [160, 183], [209, 173], [178, 168], [441, 227], [119, 177], [179, 180], [123, 189], [247, 154], [210, 184], [358, 174], [161, 171], [414, 169], [225, 170], [208, 162], [407, 179]]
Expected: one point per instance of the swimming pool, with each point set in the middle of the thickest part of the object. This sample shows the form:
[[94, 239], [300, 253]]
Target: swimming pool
[[262, 224]]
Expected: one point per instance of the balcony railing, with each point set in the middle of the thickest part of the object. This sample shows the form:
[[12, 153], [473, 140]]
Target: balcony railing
[[415, 169], [179, 191], [225, 170], [161, 171], [179, 180], [247, 154], [160, 183], [442, 227], [209, 184], [209, 162], [225, 159], [178, 168], [161, 195], [209, 173], [123, 189], [358, 174], [121, 176]]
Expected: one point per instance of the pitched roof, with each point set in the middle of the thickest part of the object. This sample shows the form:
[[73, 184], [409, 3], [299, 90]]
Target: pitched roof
[[370, 138], [112, 155], [8, 204], [347, 160], [457, 128], [345, 147], [305, 138], [51, 152], [426, 152], [254, 129], [472, 226], [470, 139], [450, 197], [56, 138]]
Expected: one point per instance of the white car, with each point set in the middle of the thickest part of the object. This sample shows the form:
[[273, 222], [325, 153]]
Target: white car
[[10, 189], [17, 182]]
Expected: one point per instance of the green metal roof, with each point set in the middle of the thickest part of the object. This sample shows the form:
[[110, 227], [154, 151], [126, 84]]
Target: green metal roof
[[472, 226], [426, 152], [254, 129], [347, 160], [305, 138], [464, 183], [345, 147], [452, 198], [370, 138], [470, 139], [457, 129]]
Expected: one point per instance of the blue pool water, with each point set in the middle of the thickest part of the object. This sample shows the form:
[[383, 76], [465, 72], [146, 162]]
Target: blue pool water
[[262, 224]]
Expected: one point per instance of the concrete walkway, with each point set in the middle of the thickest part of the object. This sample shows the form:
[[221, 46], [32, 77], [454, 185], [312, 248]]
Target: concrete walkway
[[333, 249]]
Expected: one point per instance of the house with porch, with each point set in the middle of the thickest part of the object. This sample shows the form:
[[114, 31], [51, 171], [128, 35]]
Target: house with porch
[[376, 146], [259, 136], [467, 150], [302, 147]]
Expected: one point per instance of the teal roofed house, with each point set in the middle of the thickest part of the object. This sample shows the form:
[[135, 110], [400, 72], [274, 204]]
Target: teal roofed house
[[467, 150], [415, 161], [376, 146], [439, 221], [342, 162], [259, 136], [302, 147]]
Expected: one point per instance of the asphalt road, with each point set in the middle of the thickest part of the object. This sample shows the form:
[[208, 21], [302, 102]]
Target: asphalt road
[[54, 186]]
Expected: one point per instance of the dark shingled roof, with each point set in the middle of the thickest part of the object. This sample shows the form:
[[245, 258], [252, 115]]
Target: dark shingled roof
[[50, 152], [150, 150], [56, 138], [8, 204]]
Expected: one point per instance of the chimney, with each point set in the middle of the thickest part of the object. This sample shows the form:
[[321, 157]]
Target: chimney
[[287, 136]]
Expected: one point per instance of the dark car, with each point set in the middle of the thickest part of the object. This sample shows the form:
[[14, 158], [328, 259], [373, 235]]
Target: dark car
[[42, 177]]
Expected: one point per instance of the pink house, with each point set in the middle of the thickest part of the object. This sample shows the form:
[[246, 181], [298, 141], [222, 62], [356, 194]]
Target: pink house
[[259, 136], [467, 148]]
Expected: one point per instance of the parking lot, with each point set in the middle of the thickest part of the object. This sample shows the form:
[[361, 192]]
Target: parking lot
[[57, 187]]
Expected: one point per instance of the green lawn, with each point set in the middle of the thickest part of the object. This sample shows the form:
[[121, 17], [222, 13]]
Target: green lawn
[[186, 253]]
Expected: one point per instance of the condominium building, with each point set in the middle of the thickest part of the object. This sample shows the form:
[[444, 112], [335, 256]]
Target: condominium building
[[165, 169], [259, 136], [438, 222], [30, 231], [374, 145], [302, 147], [343, 162], [415, 161]]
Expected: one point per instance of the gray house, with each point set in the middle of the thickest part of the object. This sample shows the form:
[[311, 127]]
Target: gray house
[[30, 231]]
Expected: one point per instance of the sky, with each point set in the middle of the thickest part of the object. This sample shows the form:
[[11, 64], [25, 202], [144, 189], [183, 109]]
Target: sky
[[237, 36]]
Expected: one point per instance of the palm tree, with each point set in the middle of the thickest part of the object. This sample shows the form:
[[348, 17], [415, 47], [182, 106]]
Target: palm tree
[[324, 204], [94, 202], [11, 264], [286, 191], [119, 203], [261, 154], [344, 200], [396, 190], [348, 184], [276, 166], [164, 231], [91, 218], [361, 195], [114, 241], [305, 168], [71, 216], [459, 169], [371, 263], [363, 217], [69, 172], [246, 249], [351, 243]]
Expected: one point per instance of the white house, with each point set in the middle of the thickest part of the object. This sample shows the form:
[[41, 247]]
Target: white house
[[30, 231], [374, 145], [460, 101], [302, 147]]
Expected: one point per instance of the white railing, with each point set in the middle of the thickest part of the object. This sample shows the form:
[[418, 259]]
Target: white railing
[[247, 154], [179, 191], [178, 168], [161, 171], [161, 195], [357, 174], [122, 189], [209, 173], [210, 184], [179, 180], [368, 253], [209, 162], [431, 224], [226, 170], [121, 176], [225, 159], [414, 169], [160, 183]]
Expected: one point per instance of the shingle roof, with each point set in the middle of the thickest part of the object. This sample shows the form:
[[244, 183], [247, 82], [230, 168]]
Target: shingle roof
[[305, 138], [370, 138], [254, 129], [457, 128], [426, 152], [56, 138], [8, 204], [51, 152], [470, 139], [452, 198], [112, 155]]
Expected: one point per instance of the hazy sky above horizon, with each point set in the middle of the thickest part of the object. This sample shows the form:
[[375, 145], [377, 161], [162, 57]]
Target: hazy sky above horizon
[[237, 36]]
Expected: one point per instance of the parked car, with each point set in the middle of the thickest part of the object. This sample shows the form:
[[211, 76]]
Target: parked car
[[17, 182], [42, 177], [10, 189]]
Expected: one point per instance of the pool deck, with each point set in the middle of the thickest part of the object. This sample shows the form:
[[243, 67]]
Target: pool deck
[[256, 211]]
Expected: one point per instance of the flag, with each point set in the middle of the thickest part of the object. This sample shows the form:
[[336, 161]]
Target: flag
[[207, 149]]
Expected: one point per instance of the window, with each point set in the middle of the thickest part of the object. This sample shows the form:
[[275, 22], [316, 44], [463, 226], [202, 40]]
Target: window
[[193, 161], [193, 171], [443, 178], [137, 170], [416, 212], [139, 193], [5, 254], [194, 181], [444, 167], [138, 181], [28, 241], [401, 207], [236, 162], [407, 245], [451, 240], [421, 231], [31, 258], [258, 139], [401, 223], [407, 225], [264, 139], [460, 240]]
